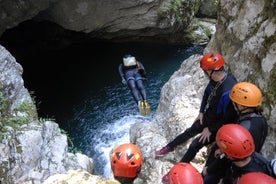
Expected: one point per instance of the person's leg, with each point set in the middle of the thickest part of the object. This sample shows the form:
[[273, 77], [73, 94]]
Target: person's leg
[[194, 147], [141, 88], [211, 156], [181, 138], [187, 134], [216, 170], [134, 91]]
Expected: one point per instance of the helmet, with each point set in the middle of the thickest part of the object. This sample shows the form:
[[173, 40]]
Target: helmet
[[235, 141], [126, 161], [212, 61], [247, 94], [184, 173], [129, 60], [256, 178]]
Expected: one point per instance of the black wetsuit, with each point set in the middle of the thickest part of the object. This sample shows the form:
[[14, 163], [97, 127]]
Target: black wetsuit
[[258, 163], [134, 77], [256, 123], [217, 110]]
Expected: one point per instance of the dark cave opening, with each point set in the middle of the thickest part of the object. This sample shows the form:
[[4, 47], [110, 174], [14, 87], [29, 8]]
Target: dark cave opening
[[60, 66]]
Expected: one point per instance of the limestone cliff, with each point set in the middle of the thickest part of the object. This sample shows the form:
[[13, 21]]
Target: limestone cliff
[[245, 35], [139, 20], [31, 149]]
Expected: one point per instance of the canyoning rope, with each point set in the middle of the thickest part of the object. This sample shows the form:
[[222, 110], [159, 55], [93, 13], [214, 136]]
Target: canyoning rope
[[213, 92]]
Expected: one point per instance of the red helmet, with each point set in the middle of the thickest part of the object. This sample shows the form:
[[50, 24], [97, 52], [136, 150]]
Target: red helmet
[[235, 141], [212, 61], [184, 173], [126, 161], [256, 178]]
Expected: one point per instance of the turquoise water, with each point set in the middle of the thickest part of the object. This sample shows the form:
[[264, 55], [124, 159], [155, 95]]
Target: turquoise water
[[80, 87]]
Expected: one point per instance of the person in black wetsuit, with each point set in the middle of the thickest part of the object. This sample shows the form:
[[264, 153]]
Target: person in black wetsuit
[[247, 99], [216, 109], [133, 74], [237, 143]]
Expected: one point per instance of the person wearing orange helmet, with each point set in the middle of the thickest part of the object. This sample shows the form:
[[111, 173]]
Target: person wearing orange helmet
[[247, 99], [216, 109], [126, 162], [184, 173], [256, 178], [237, 143]]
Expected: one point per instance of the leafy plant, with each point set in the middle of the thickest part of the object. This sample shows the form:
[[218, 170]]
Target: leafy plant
[[24, 113], [179, 11]]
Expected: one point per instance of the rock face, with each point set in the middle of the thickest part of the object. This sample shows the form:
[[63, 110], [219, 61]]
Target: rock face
[[250, 50], [178, 107], [139, 20], [14, 12], [78, 176], [245, 35], [31, 150]]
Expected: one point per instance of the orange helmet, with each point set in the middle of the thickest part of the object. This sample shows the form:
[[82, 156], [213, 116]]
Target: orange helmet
[[182, 173], [212, 61], [256, 178], [247, 94], [126, 161], [235, 141]]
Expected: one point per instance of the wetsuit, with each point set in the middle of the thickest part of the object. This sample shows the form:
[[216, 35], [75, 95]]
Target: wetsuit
[[256, 123], [217, 110], [134, 77], [258, 163]]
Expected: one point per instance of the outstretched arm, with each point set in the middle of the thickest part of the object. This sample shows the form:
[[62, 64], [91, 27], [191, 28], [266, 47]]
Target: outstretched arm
[[140, 65], [141, 69], [121, 71]]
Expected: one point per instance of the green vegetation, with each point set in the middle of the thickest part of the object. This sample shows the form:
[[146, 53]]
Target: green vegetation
[[24, 113], [215, 3], [179, 11], [269, 41], [71, 147]]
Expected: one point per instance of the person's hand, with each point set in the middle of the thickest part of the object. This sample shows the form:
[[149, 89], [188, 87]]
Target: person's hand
[[205, 135], [124, 81], [199, 117]]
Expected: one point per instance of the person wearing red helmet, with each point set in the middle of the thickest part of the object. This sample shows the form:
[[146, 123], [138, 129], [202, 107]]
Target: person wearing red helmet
[[216, 109], [247, 99], [126, 162], [212, 62], [256, 178], [184, 173], [237, 144]]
